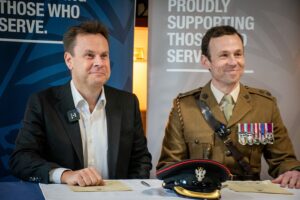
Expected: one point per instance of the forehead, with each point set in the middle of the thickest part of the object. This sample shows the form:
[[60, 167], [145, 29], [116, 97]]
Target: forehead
[[225, 43], [91, 41]]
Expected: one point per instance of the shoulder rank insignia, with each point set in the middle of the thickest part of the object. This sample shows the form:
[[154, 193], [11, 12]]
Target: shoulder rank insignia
[[192, 92], [261, 92]]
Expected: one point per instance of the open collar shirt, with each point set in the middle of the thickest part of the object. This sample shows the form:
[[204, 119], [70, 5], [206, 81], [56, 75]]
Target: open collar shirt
[[93, 129]]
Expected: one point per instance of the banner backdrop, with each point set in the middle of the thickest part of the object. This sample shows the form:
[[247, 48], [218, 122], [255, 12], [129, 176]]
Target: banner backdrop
[[32, 52], [271, 31]]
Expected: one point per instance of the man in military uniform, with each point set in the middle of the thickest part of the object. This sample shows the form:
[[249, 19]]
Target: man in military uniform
[[251, 114]]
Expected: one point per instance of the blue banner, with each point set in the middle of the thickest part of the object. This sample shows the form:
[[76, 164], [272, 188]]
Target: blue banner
[[32, 53]]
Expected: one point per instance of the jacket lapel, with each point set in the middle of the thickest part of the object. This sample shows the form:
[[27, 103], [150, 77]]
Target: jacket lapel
[[242, 107], [208, 97], [65, 103], [113, 117]]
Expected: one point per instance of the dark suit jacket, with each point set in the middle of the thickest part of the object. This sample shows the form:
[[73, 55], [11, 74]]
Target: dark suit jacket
[[48, 140]]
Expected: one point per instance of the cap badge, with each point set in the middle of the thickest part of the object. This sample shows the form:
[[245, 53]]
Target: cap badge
[[200, 173]]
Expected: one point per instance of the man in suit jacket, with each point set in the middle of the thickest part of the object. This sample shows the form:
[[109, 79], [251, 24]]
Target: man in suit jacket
[[84, 131], [189, 136]]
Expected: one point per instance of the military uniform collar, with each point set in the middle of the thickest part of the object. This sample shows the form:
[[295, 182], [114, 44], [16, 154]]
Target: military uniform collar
[[242, 107], [219, 95]]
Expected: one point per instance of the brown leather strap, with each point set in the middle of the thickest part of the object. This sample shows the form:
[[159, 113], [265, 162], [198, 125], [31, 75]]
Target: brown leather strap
[[222, 132]]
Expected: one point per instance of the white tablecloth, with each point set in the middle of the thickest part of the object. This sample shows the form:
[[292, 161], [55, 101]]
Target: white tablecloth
[[141, 192]]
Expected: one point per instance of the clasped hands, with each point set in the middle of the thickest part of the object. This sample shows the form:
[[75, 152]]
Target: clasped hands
[[84, 177]]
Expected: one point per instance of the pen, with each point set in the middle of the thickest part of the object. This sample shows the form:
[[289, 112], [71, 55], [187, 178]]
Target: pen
[[145, 184]]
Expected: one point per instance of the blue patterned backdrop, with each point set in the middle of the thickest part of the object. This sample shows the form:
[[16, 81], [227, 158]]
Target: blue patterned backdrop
[[32, 53]]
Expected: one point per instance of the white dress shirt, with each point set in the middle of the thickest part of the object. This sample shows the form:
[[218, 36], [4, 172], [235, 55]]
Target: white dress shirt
[[93, 129]]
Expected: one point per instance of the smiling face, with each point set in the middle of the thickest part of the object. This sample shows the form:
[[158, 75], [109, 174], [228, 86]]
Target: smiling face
[[89, 63], [226, 62]]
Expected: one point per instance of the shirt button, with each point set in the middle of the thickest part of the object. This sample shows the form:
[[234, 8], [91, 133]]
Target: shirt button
[[91, 162]]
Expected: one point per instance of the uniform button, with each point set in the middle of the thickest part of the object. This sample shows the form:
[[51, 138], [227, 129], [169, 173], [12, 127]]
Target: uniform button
[[227, 153], [204, 96], [196, 141]]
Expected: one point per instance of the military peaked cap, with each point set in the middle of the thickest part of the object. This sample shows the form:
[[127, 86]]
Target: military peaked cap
[[195, 178]]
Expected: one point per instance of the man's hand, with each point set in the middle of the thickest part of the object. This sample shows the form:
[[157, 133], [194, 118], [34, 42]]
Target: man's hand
[[84, 177], [289, 178]]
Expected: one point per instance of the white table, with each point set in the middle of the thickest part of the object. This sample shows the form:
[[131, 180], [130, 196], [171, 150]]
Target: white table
[[141, 192]]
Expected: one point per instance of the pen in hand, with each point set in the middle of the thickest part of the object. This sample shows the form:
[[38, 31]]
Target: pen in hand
[[145, 184]]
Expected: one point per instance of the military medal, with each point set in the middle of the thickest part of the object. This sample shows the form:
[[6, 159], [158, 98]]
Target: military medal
[[255, 133], [256, 137], [266, 133], [242, 134], [270, 134], [250, 134], [262, 133]]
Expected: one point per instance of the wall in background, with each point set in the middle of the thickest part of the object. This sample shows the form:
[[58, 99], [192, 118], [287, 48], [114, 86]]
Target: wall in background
[[139, 85]]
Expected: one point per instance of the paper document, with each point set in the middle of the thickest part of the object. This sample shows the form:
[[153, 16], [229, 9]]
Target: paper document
[[110, 185], [256, 186]]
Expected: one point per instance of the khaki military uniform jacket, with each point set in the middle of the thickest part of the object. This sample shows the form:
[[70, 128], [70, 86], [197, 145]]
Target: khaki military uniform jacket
[[189, 136]]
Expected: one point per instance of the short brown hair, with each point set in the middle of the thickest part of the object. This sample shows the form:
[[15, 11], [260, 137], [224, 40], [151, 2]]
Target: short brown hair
[[215, 32], [87, 27]]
